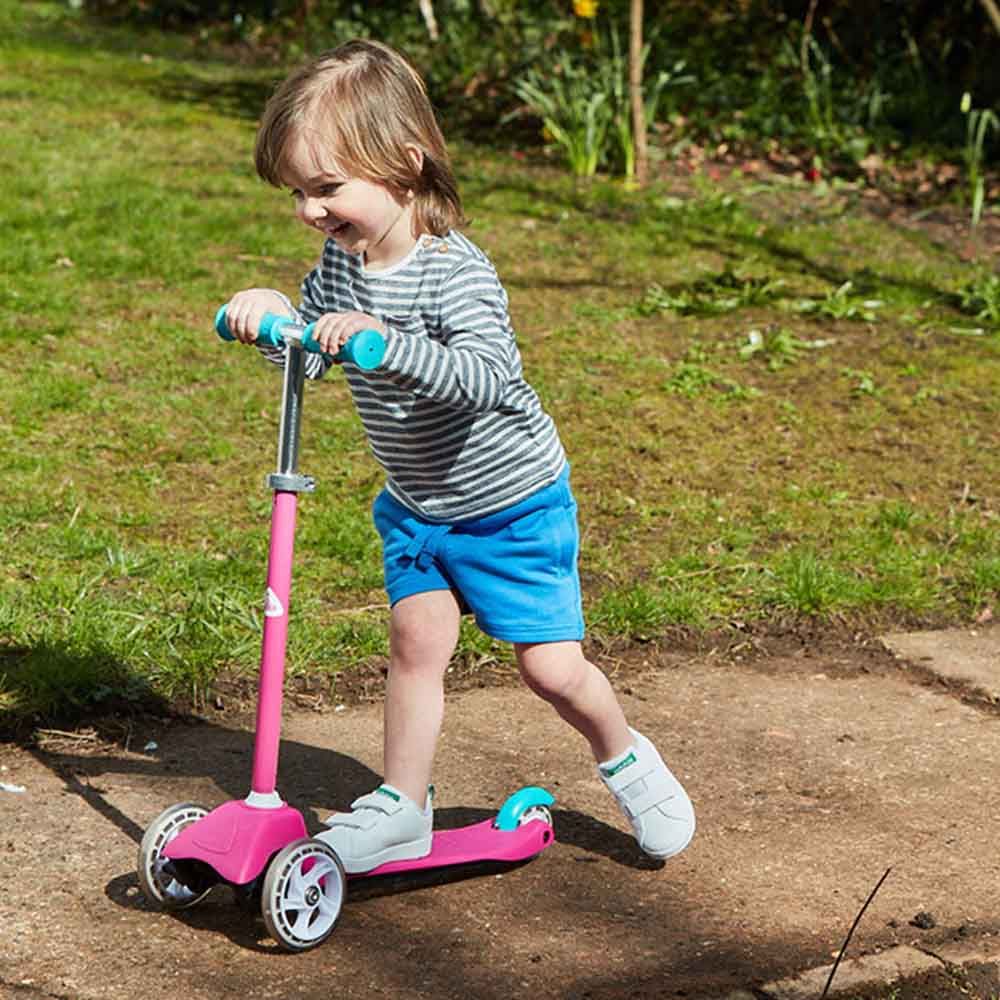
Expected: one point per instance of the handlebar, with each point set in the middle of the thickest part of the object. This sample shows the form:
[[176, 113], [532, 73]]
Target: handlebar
[[365, 349]]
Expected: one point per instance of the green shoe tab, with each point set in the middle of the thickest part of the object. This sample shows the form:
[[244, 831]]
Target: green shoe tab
[[620, 766], [382, 790]]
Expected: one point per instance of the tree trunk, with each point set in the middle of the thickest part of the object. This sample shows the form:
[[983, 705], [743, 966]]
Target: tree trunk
[[992, 12], [635, 91], [427, 10]]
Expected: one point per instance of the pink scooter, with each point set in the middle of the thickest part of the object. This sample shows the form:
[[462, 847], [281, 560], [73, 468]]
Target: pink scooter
[[260, 845]]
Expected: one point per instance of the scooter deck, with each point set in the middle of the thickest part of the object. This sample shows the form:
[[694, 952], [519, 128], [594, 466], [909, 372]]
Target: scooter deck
[[471, 844]]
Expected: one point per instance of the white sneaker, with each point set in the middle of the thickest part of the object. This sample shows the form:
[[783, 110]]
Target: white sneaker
[[382, 826], [652, 799]]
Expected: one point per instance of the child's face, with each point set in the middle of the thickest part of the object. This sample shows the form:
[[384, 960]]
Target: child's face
[[361, 217]]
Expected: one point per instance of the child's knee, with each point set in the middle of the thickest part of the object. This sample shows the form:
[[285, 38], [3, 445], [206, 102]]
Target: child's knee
[[414, 652], [555, 674], [423, 632]]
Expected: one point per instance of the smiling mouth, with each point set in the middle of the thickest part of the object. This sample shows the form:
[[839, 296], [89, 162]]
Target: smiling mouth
[[338, 230]]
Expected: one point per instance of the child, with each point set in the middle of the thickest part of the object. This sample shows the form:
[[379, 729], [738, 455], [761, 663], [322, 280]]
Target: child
[[477, 514]]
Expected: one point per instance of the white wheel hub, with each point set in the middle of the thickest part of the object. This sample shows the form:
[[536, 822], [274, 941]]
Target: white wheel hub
[[533, 813], [303, 894]]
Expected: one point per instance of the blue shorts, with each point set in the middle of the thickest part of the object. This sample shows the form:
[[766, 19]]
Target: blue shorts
[[515, 570]]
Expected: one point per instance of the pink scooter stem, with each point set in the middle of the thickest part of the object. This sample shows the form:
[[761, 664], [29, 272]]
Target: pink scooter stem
[[365, 350], [287, 484], [272, 657]]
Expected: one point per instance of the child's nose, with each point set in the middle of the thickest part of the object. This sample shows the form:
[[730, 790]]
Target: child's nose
[[312, 209]]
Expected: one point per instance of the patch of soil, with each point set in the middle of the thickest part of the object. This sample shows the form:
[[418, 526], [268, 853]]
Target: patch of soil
[[910, 199], [806, 746]]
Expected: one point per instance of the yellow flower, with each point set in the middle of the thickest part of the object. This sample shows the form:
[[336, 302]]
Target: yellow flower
[[585, 8]]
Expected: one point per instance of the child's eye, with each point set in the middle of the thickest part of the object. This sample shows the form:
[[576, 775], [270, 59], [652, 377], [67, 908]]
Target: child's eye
[[323, 191]]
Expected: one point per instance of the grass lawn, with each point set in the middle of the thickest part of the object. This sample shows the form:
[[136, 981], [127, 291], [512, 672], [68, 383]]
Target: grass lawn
[[775, 403]]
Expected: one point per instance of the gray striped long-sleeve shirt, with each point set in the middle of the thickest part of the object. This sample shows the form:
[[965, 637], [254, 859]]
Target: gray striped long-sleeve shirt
[[448, 413]]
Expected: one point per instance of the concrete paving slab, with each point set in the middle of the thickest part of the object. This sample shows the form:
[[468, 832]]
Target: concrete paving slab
[[969, 655], [853, 974], [980, 951]]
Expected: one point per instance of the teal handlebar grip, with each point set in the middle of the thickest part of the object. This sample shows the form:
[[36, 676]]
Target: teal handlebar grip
[[221, 326], [271, 326], [365, 349]]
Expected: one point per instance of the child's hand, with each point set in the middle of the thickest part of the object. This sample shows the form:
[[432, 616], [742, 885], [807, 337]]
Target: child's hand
[[246, 309], [333, 330]]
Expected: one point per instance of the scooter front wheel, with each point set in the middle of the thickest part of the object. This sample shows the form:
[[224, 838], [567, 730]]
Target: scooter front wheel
[[158, 884], [303, 893]]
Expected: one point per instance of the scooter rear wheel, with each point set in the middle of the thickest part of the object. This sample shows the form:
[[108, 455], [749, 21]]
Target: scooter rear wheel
[[533, 813], [303, 893], [158, 885]]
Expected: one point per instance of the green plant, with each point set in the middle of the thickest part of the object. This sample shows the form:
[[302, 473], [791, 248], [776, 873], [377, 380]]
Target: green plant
[[840, 304], [805, 583], [642, 612], [818, 90], [778, 346], [585, 105], [691, 377], [863, 382], [613, 69], [982, 577], [712, 295], [980, 297], [828, 121], [978, 123], [893, 517], [575, 112], [633, 611]]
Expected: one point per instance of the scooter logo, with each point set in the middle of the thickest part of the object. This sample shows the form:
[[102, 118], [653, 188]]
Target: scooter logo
[[272, 606]]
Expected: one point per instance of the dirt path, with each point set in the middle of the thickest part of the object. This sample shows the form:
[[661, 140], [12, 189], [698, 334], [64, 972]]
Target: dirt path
[[811, 772]]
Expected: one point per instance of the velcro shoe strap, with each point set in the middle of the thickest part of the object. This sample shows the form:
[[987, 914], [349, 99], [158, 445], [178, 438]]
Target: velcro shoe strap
[[384, 802], [353, 820], [646, 792], [365, 811]]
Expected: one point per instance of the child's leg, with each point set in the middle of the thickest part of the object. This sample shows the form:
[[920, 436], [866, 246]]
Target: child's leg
[[630, 766], [578, 691], [394, 823], [423, 634]]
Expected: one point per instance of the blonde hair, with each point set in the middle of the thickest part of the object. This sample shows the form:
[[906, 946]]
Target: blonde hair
[[368, 107]]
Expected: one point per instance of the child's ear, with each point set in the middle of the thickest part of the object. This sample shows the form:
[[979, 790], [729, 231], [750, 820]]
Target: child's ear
[[416, 155]]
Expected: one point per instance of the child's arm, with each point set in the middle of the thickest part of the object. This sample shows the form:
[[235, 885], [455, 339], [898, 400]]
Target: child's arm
[[471, 360]]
